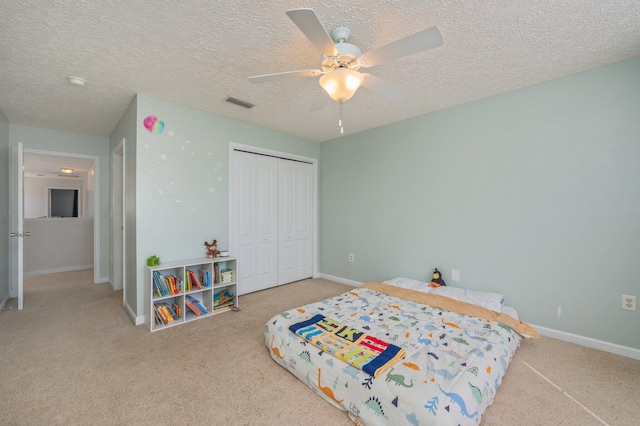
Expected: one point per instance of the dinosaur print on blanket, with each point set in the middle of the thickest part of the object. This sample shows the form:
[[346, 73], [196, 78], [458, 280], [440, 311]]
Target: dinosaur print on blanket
[[452, 366]]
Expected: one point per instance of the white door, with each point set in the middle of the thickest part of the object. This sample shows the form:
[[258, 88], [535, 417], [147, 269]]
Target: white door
[[267, 221], [295, 207], [17, 233], [304, 232], [253, 220]]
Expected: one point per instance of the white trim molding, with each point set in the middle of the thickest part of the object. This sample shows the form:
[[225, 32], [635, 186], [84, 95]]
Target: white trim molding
[[340, 280], [3, 303], [58, 270], [589, 342], [136, 320]]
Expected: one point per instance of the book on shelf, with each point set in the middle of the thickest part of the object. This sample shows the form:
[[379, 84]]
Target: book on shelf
[[165, 285], [192, 281], [157, 317], [205, 278], [164, 313], [223, 299], [195, 305], [228, 305], [216, 273]]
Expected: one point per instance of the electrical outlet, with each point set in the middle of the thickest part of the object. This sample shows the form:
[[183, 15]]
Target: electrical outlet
[[351, 258], [628, 302]]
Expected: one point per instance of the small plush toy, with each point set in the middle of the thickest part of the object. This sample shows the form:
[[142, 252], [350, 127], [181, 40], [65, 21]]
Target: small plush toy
[[212, 249], [437, 280]]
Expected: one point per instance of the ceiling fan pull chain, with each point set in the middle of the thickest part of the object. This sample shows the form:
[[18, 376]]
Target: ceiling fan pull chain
[[340, 120]]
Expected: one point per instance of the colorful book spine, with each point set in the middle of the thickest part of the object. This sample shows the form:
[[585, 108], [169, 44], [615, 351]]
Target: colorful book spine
[[205, 278], [192, 306], [195, 305], [164, 285], [223, 299]]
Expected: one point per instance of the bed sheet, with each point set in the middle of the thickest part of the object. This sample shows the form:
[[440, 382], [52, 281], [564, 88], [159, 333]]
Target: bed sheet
[[453, 367]]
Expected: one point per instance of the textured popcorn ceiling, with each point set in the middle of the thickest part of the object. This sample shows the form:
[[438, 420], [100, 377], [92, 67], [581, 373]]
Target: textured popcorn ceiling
[[196, 53]]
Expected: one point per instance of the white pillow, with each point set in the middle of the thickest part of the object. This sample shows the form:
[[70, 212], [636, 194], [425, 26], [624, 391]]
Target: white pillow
[[486, 299], [409, 283], [510, 311]]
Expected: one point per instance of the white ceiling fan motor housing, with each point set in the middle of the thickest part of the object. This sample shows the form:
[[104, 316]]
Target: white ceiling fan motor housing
[[347, 52]]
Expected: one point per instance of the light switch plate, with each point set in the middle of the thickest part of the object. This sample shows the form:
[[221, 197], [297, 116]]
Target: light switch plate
[[455, 275]]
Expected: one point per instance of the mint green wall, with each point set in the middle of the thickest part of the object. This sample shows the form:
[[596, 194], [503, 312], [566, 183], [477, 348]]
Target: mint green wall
[[182, 178], [534, 193], [126, 129], [57, 141], [5, 159]]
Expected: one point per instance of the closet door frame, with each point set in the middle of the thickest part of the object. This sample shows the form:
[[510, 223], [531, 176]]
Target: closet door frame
[[233, 146]]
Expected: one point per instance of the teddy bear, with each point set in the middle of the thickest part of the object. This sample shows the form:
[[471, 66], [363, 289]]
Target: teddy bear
[[212, 249]]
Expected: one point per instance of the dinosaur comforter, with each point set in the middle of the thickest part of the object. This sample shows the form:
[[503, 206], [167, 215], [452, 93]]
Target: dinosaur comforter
[[453, 365]]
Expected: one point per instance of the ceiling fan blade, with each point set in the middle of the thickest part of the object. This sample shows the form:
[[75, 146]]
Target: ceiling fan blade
[[386, 89], [320, 101], [310, 25], [423, 40], [282, 75]]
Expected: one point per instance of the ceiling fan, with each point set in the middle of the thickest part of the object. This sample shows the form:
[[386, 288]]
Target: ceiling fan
[[341, 61]]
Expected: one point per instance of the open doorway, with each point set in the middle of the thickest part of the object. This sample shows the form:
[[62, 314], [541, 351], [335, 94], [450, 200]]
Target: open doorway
[[61, 242]]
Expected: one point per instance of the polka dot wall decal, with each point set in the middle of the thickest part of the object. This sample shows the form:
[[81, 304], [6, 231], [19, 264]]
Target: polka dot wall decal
[[153, 124]]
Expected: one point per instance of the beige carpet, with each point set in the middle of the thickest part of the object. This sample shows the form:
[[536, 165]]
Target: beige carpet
[[72, 356]]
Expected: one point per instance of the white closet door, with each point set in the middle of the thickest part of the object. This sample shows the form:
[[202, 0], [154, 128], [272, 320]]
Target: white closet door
[[295, 205], [267, 221], [242, 219], [304, 234], [254, 221]]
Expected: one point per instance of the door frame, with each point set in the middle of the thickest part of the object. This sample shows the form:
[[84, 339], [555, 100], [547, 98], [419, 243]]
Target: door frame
[[233, 146], [16, 254], [118, 277], [96, 209]]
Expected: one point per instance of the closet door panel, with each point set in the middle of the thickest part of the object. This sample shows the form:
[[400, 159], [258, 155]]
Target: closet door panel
[[295, 203], [246, 193], [267, 224], [304, 234], [243, 220], [247, 279], [287, 249]]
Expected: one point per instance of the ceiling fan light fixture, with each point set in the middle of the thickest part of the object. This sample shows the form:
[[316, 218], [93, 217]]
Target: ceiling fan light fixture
[[77, 81], [341, 84]]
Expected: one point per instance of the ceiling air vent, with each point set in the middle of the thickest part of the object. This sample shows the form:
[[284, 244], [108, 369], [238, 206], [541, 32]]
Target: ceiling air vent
[[238, 102]]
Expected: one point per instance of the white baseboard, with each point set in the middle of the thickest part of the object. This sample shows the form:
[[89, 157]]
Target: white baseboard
[[136, 320], [58, 270], [110, 281], [340, 280], [589, 342], [4, 303]]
